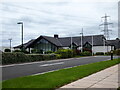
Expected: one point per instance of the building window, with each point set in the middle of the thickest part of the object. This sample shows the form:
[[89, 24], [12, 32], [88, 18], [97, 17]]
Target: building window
[[43, 45]]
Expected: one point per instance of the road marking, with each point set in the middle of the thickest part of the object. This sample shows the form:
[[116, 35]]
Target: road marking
[[44, 65], [45, 61], [54, 70]]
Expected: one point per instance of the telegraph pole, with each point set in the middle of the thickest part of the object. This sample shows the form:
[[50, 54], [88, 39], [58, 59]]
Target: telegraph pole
[[82, 40], [119, 19], [105, 24], [92, 46], [10, 39], [71, 42]]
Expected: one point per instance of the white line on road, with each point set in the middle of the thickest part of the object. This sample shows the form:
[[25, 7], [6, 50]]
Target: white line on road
[[44, 65], [45, 61]]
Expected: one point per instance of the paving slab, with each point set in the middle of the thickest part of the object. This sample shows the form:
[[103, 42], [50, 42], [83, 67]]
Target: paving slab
[[104, 80]]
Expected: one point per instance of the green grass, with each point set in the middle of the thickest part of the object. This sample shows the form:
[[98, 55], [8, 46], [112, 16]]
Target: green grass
[[58, 78]]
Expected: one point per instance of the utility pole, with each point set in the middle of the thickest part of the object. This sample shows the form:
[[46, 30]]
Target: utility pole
[[82, 40], [119, 19], [71, 42], [10, 39], [92, 45], [106, 24], [104, 46]]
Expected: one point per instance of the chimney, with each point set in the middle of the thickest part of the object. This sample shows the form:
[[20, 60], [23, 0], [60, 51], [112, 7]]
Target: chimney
[[56, 36]]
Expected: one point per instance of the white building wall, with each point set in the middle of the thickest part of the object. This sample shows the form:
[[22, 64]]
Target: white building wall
[[65, 47], [101, 49]]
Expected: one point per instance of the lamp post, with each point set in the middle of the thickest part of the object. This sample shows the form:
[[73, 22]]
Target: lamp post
[[82, 40], [22, 33]]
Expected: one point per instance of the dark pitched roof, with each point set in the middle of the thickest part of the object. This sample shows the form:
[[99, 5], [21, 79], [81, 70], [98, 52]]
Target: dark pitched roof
[[97, 40], [25, 44], [115, 43], [53, 40], [66, 41]]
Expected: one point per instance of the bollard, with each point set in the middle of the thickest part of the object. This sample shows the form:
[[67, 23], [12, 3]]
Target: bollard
[[111, 55]]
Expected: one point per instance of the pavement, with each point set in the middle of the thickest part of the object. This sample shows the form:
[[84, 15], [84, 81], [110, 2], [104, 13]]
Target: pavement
[[34, 68], [106, 79]]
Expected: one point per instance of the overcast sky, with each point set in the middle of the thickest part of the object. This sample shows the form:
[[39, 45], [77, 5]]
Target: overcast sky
[[49, 17]]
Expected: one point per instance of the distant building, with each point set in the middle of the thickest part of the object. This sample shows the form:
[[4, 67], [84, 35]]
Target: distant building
[[46, 43], [115, 43]]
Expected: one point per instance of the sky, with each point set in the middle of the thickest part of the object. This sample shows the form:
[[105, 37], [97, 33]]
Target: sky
[[49, 17]]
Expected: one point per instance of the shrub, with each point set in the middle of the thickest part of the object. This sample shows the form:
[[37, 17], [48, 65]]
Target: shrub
[[17, 51], [99, 53], [65, 53], [49, 56], [24, 51], [48, 52], [7, 50], [76, 52], [108, 53], [116, 52], [58, 56], [37, 51], [11, 58], [86, 53], [19, 57], [33, 51]]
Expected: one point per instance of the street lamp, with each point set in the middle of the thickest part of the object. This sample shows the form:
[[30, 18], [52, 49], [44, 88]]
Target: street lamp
[[22, 34], [82, 40]]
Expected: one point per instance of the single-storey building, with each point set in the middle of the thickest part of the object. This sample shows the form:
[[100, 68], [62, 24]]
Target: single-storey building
[[95, 43]]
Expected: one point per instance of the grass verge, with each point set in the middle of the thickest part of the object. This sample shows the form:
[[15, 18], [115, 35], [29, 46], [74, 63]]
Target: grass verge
[[58, 78]]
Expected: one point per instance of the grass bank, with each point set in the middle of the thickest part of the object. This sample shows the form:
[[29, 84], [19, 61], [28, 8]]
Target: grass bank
[[58, 78]]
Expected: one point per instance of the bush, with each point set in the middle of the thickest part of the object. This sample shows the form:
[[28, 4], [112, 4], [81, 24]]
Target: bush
[[48, 52], [11, 58], [65, 53], [86, 53], [7, 50], [19, 57], [17, 51], [99, 53], [24, 51], [76, 52], [58, 56], [116, 52], [37, 51], [108, 53]]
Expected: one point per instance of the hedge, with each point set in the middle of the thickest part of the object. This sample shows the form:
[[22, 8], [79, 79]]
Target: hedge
[[19, 57], [116, 52], [99, 53], [65, 53], [85, 53]]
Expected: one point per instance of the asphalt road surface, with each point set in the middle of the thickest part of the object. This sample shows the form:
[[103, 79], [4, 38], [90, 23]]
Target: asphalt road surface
[[19, 70]]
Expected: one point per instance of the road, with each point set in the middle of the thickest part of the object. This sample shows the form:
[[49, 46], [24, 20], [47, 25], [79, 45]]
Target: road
[[19, 70]]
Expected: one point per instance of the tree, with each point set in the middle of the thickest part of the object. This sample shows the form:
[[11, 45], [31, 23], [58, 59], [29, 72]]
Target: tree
[[7, 50]]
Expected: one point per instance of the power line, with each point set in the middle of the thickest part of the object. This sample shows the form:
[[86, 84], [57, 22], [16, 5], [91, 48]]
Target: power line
[[106, 24]]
